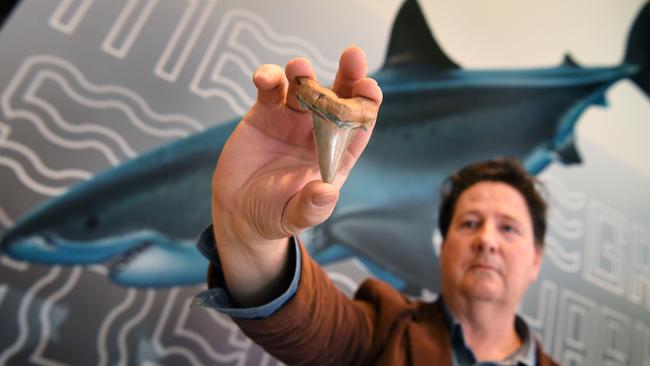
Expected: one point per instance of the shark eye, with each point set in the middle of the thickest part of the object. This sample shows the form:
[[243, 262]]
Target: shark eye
[[91, 222]]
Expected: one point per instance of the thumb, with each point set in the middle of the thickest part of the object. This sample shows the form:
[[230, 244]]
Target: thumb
[[312, 206]]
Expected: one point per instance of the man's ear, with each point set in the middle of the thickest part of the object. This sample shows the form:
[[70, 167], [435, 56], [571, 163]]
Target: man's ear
[[537, 262], [442, 244], [437, 240]]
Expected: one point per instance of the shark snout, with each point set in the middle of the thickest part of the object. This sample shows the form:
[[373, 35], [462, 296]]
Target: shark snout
[[5, 242], [9, 238], [27, 245]]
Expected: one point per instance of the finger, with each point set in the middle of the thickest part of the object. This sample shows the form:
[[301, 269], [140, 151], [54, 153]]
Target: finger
[[295, 68], [271, 85], [312, 206], [352, 67], [369, 89]]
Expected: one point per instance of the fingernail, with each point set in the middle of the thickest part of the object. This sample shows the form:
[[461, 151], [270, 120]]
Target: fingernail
[[354, 45], [325, 199]]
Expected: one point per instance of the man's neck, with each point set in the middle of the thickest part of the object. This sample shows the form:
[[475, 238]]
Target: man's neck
[[488, 328]]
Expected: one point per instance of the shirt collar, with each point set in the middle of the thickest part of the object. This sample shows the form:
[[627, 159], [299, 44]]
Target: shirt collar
[[462, 354]]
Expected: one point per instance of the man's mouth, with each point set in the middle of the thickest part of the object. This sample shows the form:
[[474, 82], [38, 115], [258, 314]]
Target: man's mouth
[[483, 267]]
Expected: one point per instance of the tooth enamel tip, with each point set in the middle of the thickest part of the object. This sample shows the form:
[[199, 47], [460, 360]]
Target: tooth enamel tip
[[331, 143]]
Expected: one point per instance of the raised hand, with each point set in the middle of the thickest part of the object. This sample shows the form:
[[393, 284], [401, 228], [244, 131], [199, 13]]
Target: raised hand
[[266, 186]]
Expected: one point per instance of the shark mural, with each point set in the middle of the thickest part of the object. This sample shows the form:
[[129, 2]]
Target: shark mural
[[142, 218]]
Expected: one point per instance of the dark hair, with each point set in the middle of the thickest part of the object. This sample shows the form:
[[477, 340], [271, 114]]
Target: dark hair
[[504, 170]]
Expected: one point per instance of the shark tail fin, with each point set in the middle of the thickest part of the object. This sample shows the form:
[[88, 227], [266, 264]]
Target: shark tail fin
[[638, 49]]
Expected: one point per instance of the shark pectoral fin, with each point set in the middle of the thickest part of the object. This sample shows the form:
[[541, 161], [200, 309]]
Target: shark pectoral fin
[[412, 42], [159, 264], [395, 243]]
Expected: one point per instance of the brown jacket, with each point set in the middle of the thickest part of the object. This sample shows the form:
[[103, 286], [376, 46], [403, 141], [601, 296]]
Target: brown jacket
[[321, 326]]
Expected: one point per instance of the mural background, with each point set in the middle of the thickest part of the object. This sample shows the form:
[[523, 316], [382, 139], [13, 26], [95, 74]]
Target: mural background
[[88, 84]]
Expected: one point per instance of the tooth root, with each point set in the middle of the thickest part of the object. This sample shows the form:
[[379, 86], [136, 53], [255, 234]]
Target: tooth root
[[331, 143]]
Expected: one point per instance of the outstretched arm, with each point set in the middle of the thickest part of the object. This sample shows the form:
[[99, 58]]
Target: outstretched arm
[[266, 186]]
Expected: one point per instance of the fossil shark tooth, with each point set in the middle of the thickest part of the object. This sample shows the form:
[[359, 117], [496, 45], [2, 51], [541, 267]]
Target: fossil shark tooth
[[331, 143], [335, 122]]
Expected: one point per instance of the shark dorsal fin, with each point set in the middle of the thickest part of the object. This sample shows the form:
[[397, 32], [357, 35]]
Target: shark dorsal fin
[[411, 41], [569, 61]]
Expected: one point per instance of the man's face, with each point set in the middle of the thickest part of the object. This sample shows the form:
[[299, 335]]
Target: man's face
[[489, 253]]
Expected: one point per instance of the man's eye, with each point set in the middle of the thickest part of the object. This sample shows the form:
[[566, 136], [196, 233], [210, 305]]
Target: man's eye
[[471, 224], [508, 228]]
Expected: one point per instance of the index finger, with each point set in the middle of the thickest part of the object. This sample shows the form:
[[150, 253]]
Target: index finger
[[298, 67], [352, 68]]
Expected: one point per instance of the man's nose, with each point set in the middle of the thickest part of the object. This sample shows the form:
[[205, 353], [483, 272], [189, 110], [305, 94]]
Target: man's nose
[[487, 238]]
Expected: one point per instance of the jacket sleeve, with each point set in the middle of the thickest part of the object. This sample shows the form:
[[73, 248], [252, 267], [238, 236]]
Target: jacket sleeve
[[217, 296], [321, 326]]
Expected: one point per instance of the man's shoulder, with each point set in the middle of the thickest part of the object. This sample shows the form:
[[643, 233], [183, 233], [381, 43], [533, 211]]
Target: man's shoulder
[[543, 358], [387, 299], [374, 289]]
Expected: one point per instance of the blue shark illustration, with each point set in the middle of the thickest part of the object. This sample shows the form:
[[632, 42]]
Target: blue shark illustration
[[142, 218]]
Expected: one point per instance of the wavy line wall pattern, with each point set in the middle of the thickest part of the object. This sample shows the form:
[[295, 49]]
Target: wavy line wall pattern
[[70, 111], [96, 83]]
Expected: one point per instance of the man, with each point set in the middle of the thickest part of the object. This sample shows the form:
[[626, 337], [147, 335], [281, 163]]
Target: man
[[267, 188]]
